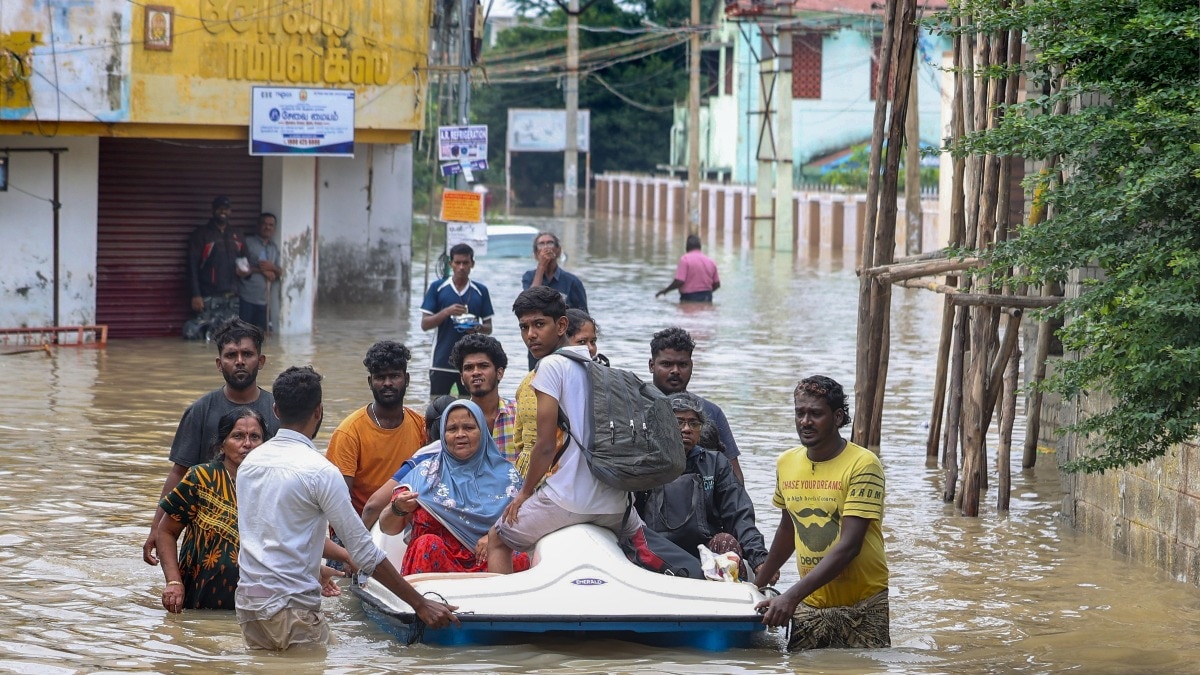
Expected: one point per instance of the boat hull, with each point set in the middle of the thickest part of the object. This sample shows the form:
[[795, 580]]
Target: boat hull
[[580, 585]]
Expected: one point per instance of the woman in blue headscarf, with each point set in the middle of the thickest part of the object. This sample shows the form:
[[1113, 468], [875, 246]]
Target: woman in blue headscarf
[[453, 497]]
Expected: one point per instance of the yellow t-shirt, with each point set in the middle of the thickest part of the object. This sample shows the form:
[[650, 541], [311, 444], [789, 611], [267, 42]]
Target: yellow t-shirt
[[525, 430], [817, 495]]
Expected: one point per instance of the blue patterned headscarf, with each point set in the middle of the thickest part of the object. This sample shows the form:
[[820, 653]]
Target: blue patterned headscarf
[[466, 496]]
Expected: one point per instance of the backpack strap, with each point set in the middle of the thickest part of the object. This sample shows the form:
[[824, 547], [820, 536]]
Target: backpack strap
[[563, 423]]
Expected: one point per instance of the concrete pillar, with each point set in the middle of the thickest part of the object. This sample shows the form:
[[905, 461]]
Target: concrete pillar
[[814, 222], [660, 202], [720, 211], [783, 234], [837, 224], [860, 224], [601, 195], [678, 199], [705, 212], [797, 229], [739, 215], [287, 191]]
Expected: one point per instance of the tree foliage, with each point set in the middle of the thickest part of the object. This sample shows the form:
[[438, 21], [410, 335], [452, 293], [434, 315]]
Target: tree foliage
[[623, 137], [1123, 196]]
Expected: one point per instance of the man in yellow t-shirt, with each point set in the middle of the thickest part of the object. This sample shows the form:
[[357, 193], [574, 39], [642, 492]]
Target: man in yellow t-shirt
[[831, 492]]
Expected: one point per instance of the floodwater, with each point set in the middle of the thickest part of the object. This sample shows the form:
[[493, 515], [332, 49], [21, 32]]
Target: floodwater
[[84, 435]]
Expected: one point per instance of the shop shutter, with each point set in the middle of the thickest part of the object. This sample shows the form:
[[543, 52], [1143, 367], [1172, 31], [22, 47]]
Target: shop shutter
[[152, 194]]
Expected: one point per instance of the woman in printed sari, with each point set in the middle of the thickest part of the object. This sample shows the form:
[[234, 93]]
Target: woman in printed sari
[[451, 499], [203, 573]]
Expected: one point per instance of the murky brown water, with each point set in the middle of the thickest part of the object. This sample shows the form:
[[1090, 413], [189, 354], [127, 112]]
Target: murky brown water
[[84, 437]]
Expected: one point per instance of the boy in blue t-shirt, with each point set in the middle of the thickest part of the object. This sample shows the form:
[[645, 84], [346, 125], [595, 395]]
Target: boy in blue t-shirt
[[448, 302]]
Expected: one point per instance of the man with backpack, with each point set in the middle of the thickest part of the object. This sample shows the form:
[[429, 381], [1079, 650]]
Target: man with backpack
[[572, 494]]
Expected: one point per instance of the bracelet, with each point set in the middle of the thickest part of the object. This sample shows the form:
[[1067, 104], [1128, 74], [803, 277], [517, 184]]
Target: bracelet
[[174, 583], [398, 512]]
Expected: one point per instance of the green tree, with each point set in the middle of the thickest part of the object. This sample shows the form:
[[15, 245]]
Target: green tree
[[623, 136], [1123, 196]]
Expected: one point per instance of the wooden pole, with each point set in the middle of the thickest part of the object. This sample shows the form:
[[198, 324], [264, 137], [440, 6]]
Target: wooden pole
[[954, 410], [885, 232], [913, 214], [866, 369], [892, 273], [1033, 424], [1008, 414]]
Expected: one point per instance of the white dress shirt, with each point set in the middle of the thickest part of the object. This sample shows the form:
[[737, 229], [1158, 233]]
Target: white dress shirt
[[288, 494]]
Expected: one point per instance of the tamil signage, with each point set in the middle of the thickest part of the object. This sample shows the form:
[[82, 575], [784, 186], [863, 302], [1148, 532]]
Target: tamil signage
[[301, 121], [545, 130]]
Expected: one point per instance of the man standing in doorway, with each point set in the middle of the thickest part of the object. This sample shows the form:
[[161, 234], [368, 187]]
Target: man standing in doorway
[[239, 360], [447, 303], [695, 276], [373, 441], [671, 369], [546, 250], [254, 290], [831, 492], [213, 253], [288, 497]]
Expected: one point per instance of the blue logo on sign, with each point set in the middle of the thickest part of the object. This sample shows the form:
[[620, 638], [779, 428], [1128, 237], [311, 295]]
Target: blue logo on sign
[[274, 114], [589, 581]]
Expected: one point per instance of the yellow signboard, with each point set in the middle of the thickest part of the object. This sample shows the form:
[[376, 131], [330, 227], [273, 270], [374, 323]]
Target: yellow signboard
[[462, 207], [190, 64]]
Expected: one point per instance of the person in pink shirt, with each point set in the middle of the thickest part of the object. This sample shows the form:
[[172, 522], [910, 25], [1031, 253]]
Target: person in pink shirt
[[696, 275]]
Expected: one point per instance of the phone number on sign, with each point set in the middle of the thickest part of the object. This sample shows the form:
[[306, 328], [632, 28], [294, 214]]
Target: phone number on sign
[[303, 142]]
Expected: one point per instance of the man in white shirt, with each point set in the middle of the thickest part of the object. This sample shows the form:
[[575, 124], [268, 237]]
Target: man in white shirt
[[288, 496], [571, 494]]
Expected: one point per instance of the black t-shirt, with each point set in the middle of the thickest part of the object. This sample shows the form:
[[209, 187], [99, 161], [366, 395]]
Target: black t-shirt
[[197, 432]]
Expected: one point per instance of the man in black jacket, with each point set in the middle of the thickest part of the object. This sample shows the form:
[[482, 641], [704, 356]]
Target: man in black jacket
[[707, 504], [213, 253]]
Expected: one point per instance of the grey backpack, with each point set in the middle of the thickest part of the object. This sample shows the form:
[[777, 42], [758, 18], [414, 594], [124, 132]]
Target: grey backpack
[[635, 443]]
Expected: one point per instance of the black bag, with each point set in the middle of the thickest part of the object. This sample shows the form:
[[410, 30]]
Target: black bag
[[635, 443], [677, 511]]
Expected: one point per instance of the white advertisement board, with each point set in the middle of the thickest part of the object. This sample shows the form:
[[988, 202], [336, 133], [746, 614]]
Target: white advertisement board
[[301, 121], [545, 130], [459, 143]]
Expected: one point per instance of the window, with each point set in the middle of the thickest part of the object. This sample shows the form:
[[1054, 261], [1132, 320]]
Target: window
[[806, 65]]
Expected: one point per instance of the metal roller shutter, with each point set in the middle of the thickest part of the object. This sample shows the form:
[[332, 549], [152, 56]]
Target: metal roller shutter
[[152, 194]]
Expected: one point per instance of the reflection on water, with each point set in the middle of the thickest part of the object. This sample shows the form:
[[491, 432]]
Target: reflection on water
[[84, 437]]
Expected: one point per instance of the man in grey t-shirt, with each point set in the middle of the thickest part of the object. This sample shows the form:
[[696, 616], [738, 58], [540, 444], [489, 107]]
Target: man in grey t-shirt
[[239, 358], [254, 291]]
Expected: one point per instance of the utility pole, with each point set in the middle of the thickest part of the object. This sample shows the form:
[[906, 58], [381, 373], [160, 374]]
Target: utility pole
[[571, 151], [464, 79], [693, 125]]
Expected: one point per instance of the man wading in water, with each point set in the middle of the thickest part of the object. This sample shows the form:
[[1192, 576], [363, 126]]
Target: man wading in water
[[831, 492]]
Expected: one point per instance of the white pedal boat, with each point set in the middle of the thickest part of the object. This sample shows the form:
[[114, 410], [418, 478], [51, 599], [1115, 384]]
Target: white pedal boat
[[580, 583]]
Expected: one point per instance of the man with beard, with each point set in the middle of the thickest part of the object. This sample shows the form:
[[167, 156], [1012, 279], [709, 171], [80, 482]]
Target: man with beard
[[373, 441], [481, 361], [239, 358], [671, 369], [831, 492], [287, 497], [213, 253]]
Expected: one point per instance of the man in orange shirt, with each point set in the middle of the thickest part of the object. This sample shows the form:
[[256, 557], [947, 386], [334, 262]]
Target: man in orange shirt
[[373, 441]]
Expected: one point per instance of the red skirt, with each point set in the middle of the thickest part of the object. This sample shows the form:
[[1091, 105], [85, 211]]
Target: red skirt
[[434, 549]]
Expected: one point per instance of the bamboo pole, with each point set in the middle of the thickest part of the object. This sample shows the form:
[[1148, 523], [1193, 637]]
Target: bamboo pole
[[894, 272], [954, 409], [1008, 414], [939, 384], [983, 299], [865, 368], [885, 233], [1033, 423]]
